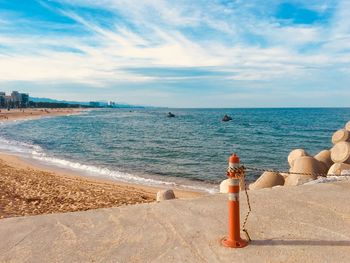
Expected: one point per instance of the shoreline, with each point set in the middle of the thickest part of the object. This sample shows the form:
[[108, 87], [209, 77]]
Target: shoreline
[[20, 162], [28, 189], [76, 192]]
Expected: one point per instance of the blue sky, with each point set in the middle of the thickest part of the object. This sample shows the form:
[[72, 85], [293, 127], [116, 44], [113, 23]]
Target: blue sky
[[218, 53]]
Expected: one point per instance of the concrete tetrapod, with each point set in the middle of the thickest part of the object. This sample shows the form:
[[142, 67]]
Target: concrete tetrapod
[[308, 166], [337, 168], [340, 153], [347, 126], [293, 155], [325, 158], [224, 186], [267, 180], [341, 136]]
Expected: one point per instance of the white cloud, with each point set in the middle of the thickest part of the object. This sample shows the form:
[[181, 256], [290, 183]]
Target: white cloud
[[144, 34]]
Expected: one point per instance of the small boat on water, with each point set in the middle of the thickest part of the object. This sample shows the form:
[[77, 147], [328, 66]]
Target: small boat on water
[[170, 115], [226, 118]]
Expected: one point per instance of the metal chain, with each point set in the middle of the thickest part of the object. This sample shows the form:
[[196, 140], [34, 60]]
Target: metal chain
[[249, 207], [238, 169]]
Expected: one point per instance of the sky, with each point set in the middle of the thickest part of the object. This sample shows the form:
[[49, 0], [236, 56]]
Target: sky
[[199, 53]]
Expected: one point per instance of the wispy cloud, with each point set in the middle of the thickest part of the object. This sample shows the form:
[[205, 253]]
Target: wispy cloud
[[110, 43]]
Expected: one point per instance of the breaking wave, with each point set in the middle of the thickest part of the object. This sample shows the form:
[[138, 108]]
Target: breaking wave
[[36, 152]]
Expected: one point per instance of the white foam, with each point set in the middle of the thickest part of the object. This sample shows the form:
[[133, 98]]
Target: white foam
[[94, 170], [212, 190], [17, 147], [113, 174], [37, 153]]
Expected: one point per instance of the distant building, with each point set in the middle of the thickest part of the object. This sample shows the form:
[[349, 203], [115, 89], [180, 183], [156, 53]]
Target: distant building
[[94, 104], [2, 99], [8, 102], [15, 100], [24, 100], [5, 101], [111, 104]]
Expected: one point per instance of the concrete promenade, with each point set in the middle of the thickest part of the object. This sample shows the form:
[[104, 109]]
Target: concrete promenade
[[308, 223]]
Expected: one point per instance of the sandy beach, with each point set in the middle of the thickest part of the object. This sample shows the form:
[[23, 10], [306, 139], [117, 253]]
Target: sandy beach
[[28, 113], [29, 189]]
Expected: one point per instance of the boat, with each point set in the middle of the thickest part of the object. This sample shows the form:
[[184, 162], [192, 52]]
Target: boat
[[226, 118], [170, 115]]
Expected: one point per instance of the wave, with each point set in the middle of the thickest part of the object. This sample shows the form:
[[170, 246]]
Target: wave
[[18, 147], [96, 171], [37, 153]]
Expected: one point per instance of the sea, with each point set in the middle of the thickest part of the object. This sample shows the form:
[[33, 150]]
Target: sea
[[189, 151]]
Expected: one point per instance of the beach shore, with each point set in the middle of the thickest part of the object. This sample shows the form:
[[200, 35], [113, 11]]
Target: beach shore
[[28, 188]]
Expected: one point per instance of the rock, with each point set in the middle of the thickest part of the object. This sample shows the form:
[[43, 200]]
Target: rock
[[267, 180], [338, 168], [325, 158], [293, 155], [309, 166], [296, 179], [341, 136], [340, 153], [165, 195]]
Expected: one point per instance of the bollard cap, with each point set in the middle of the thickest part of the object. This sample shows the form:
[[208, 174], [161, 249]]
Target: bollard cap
[[233, 158]]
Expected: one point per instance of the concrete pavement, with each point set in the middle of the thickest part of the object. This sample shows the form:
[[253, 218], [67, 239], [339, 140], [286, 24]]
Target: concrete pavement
[[309, 223]]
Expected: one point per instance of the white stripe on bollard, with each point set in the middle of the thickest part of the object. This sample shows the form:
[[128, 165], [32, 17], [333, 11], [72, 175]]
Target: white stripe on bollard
[[233, 197], [233, 182]]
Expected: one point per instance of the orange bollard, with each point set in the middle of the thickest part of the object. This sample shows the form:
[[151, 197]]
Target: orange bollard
[[234, 239]]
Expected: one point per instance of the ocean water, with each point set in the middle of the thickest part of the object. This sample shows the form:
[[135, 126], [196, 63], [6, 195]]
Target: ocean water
[[190, 150]]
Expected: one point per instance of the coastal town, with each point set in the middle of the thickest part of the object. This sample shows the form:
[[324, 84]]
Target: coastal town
[[14, 100], [18, 100]]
